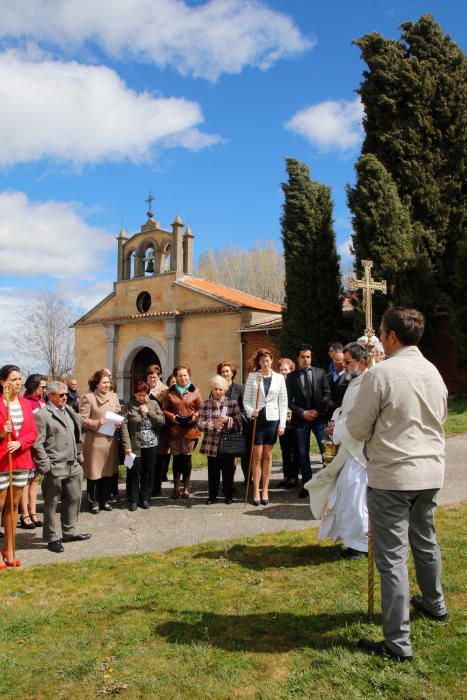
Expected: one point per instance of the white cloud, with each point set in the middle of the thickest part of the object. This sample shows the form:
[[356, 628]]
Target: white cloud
[[203, 40], [345, 248], [80, 114], [49, 238], [329, 125]]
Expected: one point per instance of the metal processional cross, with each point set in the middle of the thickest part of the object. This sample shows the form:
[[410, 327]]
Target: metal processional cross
[[368, 287]]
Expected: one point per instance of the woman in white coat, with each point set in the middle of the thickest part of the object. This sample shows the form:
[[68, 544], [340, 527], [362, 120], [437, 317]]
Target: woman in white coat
[[265, 398]]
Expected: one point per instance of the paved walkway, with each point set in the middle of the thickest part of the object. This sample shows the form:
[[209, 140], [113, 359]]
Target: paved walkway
[[171, 523]]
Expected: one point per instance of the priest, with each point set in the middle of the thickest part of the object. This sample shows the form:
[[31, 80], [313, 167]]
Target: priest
[[338, 493]]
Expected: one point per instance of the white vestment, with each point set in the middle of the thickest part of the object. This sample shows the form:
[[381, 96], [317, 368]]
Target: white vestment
[[338, 492]]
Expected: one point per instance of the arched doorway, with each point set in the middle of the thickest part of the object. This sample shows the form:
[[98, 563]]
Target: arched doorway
[[142, 359]]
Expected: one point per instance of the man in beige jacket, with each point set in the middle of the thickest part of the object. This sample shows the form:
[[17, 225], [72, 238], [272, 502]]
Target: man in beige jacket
[[401, 410]]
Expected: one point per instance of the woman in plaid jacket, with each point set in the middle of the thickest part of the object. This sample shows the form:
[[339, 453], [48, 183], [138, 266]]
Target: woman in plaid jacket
[[218, 414]]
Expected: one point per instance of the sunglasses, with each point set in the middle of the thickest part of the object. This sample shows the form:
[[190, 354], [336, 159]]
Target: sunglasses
[[62, 395]]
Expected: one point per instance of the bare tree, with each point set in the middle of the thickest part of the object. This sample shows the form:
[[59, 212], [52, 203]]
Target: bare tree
[[45, 335], [258, 271]]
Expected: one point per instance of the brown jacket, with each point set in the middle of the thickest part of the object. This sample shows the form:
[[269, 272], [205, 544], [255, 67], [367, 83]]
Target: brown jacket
[[100, 452], [188, 404]]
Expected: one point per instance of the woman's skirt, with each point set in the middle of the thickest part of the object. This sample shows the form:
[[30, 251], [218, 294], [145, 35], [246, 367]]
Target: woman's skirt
[[266, 430]]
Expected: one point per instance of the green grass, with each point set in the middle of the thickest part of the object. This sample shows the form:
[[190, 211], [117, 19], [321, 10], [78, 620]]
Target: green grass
[[274, 617], [457, 417]]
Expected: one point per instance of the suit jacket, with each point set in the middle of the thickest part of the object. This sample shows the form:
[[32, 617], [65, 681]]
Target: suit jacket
[[55, 445], [297, 396], [338, 389], [275, 402]]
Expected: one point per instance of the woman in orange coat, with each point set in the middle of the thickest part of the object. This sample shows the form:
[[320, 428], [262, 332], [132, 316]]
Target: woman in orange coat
[[181, 409]]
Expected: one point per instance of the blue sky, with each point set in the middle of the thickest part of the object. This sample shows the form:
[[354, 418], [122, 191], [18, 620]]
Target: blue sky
[[199, 102]]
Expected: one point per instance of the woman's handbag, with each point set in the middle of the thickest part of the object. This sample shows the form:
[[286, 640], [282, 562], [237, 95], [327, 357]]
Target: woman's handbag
[[232, 444]]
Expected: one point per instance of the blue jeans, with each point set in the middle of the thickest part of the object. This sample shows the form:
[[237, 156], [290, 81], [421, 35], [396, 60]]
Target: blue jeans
[[302, 436]]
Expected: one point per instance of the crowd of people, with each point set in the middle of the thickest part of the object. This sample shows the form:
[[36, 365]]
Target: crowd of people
[[379, 418]]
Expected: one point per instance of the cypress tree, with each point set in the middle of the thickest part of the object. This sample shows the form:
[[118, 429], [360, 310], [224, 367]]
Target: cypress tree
[[312, 277], [414, 94]]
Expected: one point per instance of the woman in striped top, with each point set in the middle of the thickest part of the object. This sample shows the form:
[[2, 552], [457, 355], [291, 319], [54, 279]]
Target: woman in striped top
[[16, 437]]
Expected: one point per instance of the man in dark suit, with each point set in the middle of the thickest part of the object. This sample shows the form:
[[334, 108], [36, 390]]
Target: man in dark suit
[[337, 382], [55, 453], [308, 395]]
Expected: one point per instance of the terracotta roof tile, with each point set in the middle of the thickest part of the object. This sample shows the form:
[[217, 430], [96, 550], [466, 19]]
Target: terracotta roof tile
[[153, 314], [232, 296]]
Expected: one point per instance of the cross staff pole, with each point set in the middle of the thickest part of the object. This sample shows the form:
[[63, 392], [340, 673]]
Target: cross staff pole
[[6, 396], [368, 287]]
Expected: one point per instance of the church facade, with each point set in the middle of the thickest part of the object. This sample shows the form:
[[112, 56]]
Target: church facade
[[158, 312]]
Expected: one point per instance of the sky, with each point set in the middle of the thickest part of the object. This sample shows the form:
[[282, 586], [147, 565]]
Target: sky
[[196, 101]]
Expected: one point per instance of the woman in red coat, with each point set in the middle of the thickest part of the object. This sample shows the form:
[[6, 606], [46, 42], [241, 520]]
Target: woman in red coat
[[181, 409], [22, 432]]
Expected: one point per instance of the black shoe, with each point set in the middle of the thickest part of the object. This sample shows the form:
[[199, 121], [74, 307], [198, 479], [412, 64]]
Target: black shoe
[[228, 501], [156, 493], [303, 493], [380, 649], [291, 484], [417, 602], [264, 501], [350, 553], [256, 502], [107, 507], [55, 546], [144, 505], [132, 506], [26, 526], [210, 501], [78, 538]]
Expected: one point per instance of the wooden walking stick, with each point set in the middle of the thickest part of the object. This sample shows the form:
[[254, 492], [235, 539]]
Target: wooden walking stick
[[252, 440], [6, 396]]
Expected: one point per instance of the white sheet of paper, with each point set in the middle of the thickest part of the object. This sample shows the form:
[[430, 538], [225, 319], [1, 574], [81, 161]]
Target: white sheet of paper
[[111, 420], [129, 459], [224, 411]]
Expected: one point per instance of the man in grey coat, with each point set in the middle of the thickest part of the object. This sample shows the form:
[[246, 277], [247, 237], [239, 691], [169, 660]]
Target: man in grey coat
[[400, 413], [56, 452]]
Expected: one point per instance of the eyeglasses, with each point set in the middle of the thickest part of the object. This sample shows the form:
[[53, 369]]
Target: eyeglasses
[[62, 395]]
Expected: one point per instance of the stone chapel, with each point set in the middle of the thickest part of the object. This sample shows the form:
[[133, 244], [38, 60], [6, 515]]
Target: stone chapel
[[158, 312]]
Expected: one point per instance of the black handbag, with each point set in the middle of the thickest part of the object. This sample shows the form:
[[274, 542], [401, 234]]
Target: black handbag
[[232, 444]]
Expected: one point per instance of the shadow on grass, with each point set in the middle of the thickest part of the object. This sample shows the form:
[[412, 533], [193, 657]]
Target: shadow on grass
[[267, 633], [266, 557]]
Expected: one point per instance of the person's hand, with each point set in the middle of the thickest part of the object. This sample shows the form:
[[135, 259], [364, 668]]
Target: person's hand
[[128, 451], [13, 445], [101, 421], [255, 414], [143, 408], [7, 426], [310, 415], [118, 426], [281, 431], [219, 423], [330, 428]]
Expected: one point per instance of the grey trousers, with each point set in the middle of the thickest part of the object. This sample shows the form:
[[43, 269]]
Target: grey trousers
[[68, 490], [397, 519]]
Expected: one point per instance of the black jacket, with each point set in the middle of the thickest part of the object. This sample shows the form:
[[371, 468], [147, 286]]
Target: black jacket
[[338, 389], [297, 398]]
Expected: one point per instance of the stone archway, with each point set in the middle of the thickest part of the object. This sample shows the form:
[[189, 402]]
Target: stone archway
[[127, 358]]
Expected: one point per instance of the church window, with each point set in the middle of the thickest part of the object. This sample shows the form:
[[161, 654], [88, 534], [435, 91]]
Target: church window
[[143, 302]]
